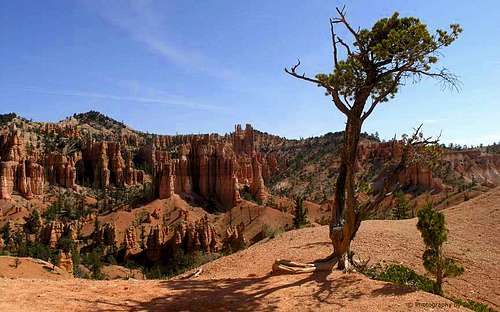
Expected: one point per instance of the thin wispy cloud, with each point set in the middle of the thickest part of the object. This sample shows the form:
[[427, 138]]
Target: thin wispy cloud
[[145, 24], [163, 100]]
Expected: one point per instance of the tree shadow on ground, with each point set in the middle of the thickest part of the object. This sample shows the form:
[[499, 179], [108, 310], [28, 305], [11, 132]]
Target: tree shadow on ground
[[258, 293]]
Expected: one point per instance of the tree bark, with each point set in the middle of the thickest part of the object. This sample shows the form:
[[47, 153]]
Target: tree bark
[[344, 222], [439, 272]]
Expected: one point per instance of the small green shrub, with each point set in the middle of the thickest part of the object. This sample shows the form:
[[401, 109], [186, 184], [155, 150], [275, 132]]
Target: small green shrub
[[473, 305], [432, 226], [401, 275], [247, 195]]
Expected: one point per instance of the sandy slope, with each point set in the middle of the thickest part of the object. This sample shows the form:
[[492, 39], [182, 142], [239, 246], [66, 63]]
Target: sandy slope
[[30, 268], [241, 282]]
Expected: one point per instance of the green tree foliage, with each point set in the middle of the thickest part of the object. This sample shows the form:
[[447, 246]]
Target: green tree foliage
[[66, 244], [432, 227], [401, 275], [96, 234], [395, 48], [402, 208], [6, 118], [6, 232], [300, 218], [69, 206], [35, 250], [247, 195], [96, 265], [33, 223]]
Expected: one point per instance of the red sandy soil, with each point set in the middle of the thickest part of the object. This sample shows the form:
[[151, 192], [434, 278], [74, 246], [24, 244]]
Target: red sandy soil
[[11, 267], [241, 281]]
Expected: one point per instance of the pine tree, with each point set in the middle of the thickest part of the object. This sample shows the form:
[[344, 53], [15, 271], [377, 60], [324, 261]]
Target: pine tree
[[33, 223], [300, 218], [402, 208], [432, 227]]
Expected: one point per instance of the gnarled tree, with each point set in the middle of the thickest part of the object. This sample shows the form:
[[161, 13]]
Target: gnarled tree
[[367, 72]]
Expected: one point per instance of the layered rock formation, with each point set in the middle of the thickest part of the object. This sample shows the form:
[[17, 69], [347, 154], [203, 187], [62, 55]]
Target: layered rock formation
[[212, 168], [65, 261], [200, 235], [475, 166], [61, 169], [17, 172], [155, 241], [416, 175], [30, 178], [7, 178]]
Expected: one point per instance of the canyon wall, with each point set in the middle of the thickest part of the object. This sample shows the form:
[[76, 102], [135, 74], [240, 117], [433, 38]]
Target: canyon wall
[[214, 167]]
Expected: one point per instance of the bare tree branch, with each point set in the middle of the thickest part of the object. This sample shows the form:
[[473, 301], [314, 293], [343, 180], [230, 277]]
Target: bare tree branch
[[339, 40], [334, 43], [332, 91], [342, 19], [293, 72], [446, 78]]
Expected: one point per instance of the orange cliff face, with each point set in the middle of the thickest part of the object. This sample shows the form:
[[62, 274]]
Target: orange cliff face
[[208, 167], [17, 172], [212, 166], [416, 175]]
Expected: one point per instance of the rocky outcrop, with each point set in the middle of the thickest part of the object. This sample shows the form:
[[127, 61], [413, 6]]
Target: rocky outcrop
[[105, 165], [12, 147], [183, 180], [214, 173], [206, 169], [130, 244], [165, 175], [61, 169], [65, 261], [51, 233], [17, 173], [106, 235], [212, 166], [243, 140], [257, 187], [25, 177], [421, 176], [416, 175], [131, 175], [30, 179], [235, 240], [474, 166], [96, 156], [197, 236], [155, 241], [7, 178]]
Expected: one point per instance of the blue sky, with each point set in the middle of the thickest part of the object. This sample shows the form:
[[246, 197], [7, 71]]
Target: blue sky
[[202, 66]]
